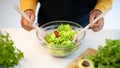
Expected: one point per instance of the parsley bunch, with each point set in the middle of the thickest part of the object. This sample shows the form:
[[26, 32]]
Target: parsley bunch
[[9, 55]]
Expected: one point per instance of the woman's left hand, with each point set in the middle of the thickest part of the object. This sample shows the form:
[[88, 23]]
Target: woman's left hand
[[99, 24]]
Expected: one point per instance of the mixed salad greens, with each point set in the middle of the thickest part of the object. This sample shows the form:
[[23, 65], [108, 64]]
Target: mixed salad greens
[[9, 55], [107, 56], [61, 38]]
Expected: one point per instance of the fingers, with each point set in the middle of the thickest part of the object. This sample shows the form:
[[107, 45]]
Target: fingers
[[27, 25], [99, 24], [93, 15]]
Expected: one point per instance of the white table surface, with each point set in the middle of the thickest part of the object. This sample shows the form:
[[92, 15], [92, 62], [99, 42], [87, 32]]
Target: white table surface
[[37, 57]]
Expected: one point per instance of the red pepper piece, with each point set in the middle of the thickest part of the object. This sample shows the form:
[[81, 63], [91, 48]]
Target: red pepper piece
[[56, 33]]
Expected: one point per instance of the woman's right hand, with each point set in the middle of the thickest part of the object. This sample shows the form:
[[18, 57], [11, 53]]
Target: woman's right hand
[[24, 23]]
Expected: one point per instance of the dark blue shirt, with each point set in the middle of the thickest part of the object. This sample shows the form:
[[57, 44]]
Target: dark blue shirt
[[71, 10]]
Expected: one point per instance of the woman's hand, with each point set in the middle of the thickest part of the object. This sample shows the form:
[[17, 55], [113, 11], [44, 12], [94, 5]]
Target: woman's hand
[[99, 24], [24, 23]]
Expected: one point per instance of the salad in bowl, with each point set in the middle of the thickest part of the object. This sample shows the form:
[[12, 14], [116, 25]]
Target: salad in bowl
[[59, 37]]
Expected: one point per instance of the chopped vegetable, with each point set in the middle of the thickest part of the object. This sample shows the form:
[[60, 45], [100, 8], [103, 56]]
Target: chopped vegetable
[[9, 55], [56, 33], [107, 56], [61, 38]]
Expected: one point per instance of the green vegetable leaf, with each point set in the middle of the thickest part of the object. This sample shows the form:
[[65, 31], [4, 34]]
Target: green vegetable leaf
[[9, 55], [107, 56]]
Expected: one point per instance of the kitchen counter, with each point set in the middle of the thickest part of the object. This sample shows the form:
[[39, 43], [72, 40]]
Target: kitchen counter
[[37, 57]]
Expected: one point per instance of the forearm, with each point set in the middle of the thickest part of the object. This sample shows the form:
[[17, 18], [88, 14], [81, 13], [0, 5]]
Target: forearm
[[103, 5], [28, 4]]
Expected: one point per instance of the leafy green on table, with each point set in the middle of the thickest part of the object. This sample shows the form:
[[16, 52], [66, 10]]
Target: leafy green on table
[[107, 56], [9, 54]]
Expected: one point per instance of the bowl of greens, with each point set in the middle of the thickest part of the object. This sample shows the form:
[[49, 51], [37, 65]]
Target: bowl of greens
[[59, 37]]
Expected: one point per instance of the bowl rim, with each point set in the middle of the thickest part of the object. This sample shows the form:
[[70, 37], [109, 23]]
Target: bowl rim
[[43, 44], [61, 21]]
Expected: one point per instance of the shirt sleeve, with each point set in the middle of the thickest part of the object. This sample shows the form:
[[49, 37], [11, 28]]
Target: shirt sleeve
[[28, 4], [103, 5]]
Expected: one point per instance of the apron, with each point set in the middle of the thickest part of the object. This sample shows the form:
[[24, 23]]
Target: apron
[[70, 10]]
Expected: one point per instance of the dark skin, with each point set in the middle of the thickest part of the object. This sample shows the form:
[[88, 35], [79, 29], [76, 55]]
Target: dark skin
[[93, 14]]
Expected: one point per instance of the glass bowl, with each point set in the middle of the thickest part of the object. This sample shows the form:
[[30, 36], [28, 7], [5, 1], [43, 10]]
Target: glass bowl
[[61, 52]]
